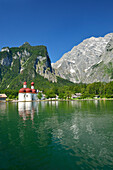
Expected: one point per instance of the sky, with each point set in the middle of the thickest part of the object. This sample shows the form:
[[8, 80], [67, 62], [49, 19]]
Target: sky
[[58, 24]]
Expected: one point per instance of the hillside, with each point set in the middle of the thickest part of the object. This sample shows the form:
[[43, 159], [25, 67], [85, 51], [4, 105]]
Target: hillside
[[90, 61], [27, 63]]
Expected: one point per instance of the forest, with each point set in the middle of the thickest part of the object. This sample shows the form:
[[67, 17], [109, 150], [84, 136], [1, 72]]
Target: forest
[[102, 89]]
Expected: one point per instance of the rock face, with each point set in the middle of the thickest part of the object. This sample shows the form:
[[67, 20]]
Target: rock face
[[18, 64], [90, 61]]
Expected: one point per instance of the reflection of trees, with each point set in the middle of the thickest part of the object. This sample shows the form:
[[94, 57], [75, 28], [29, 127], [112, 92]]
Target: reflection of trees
[[75, 128], [67, 124]]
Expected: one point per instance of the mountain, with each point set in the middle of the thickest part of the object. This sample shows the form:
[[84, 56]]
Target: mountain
[[90, 61], [26, 63]]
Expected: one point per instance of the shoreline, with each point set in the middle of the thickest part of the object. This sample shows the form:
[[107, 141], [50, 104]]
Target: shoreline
[[16, 101]]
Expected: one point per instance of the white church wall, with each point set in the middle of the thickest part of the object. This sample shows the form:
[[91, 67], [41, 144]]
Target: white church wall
[[28, 96], [21, 97]]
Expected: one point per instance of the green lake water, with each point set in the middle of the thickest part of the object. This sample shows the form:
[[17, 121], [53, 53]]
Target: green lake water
[[56, 135]]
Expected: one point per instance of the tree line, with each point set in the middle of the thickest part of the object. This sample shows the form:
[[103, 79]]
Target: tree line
[[101, 89]]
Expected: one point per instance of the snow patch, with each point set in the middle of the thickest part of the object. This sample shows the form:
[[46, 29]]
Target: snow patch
[[99, 62], [58, 65], [72, 70], [87, 69]]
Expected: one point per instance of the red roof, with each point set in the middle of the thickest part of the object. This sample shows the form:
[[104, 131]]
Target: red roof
[[32, 84], [22, 90], [33, 91], [28, 90], [25, 83]]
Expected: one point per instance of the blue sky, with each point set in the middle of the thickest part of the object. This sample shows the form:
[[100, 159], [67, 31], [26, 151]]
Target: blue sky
[[58, 24]]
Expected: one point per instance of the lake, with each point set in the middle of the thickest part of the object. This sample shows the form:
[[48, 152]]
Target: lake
[[56, 135]]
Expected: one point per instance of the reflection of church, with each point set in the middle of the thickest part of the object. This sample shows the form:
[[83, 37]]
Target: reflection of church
[[27, 109], [27, 94]]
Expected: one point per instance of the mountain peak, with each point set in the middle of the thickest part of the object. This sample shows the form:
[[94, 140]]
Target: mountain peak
[[26, 44], [90, 61]]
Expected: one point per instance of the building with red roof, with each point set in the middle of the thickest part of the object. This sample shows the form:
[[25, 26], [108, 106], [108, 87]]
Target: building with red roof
[[27, 94]]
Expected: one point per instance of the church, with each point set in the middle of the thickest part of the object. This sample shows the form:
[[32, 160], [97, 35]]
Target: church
[[27, 94]]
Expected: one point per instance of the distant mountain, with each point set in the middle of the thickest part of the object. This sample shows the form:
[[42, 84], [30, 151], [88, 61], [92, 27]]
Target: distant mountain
[[90, 61], [26, 63]]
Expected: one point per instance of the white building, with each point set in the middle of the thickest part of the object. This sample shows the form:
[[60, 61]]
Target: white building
[[27, 94]]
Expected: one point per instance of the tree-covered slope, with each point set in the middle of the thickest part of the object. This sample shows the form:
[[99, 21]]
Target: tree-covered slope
[[27, 63]]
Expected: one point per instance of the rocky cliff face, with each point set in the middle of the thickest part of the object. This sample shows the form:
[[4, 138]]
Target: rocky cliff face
[[90, 61], [24, 63]]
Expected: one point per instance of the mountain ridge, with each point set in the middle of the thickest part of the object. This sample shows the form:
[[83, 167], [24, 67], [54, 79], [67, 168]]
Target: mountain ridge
[[78, 65], [26, 63]]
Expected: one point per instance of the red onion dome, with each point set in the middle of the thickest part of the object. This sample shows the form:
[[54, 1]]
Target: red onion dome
[[32, 84], [28, 90], [33, 91], [22, 90], [25, 83]]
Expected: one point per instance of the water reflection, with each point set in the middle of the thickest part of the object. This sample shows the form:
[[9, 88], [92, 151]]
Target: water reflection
[[2, 107], [77, 134], [27, 109]]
